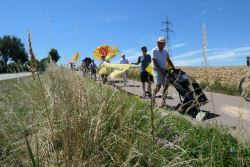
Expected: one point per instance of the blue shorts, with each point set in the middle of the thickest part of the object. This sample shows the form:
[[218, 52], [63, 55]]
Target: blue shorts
[[159, 79]]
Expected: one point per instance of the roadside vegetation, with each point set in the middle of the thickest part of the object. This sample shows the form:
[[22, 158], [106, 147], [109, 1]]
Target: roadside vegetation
[[217, 85], [87, 124]]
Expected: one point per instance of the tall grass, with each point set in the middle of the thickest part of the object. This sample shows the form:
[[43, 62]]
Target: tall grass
[[61, 119], [96, 126]]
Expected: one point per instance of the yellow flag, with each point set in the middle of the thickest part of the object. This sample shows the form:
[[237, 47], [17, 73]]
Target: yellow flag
[[119, 68], [150, 69], [75, 57], [114, 51]]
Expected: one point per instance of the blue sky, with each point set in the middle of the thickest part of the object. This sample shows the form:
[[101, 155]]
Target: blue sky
[[130, 25]]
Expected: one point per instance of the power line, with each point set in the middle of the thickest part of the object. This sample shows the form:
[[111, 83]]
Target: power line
[[167, 34]]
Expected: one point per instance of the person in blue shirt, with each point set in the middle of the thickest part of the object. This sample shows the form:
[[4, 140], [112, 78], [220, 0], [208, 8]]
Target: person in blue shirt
[[144, 60], [93, 67]]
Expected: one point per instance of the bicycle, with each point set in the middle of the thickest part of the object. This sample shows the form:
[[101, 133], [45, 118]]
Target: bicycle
[[244, 86]]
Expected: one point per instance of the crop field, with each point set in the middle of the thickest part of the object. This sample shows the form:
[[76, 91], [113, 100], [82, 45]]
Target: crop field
[[224, 73]]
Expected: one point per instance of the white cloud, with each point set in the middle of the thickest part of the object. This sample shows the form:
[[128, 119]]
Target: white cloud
[[200, 14], [217, 55], [132, 55], [113, 17], [178, 45]]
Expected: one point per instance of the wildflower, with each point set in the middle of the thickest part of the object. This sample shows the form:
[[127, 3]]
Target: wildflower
[[186, 139], [200, 116], [148, 150], [172, 165], [231, 150], [142, 110], [179, 140], [197, 128], [146, 107], [208, 139], [138, 97], [178, 157], [221, 125]]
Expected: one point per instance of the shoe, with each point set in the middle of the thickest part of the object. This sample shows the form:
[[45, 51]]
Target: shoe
[[163, 105], [148, 94], [144, 95]]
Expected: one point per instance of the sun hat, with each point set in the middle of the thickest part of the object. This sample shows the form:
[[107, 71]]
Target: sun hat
[[144, 48], [103, 56], [161, 39], [123, 54]]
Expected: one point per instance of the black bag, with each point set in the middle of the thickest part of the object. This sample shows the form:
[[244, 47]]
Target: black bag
[[188, 95], [178, 76]]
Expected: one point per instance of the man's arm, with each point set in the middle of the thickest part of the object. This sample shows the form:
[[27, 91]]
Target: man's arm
[[138, 62], [158, 66], [170, 63]]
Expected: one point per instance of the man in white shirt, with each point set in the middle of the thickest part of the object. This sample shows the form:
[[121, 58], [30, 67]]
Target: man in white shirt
[[160, 58], [124, 61]]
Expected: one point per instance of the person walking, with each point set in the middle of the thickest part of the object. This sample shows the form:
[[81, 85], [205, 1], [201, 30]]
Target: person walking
[[125, 74], [145, 60], [83, 65], [93, 67], [160, 59], [104, 76]]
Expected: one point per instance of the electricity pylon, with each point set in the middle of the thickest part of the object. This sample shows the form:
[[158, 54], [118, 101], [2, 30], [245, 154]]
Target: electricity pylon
[[167, 35]]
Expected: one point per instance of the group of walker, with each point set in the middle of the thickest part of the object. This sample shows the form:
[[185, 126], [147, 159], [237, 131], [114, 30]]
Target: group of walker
[[159, 61]]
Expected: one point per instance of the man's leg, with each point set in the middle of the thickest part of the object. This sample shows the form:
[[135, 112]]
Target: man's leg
[[156, 90], [164, 93], [143, 86], [149, 86]]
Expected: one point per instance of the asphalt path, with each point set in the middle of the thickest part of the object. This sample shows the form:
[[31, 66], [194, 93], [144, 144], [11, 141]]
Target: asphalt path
[[222, 109], [16, 75]]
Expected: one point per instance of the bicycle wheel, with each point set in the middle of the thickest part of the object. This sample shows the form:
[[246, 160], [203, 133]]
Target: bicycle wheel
[[244, 88]]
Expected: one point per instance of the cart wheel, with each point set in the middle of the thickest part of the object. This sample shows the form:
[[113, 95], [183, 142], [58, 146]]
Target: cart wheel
[[182, 109]]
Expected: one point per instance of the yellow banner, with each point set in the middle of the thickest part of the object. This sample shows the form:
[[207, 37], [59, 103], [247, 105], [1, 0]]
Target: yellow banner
[[103, 50], [114, 51], [150, 69], [75, 57], [118, 68]]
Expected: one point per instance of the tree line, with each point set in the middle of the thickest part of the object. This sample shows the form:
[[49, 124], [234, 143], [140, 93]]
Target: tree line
[[14, 57]]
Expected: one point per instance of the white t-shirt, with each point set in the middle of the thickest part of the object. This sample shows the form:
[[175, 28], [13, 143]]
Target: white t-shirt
[[124, 61], [161, 57]]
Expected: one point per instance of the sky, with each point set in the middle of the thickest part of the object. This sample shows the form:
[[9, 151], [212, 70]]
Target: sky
[[82, 26]]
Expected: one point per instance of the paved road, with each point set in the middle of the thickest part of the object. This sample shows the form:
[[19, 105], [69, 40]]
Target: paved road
[[224, 109], [11, 76]]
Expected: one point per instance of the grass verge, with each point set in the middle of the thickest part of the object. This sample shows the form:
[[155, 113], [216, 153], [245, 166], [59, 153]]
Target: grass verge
[[98, 126]]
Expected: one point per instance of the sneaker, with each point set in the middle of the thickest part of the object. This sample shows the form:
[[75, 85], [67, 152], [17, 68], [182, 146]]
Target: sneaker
[[163, 105], [144, 95]]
